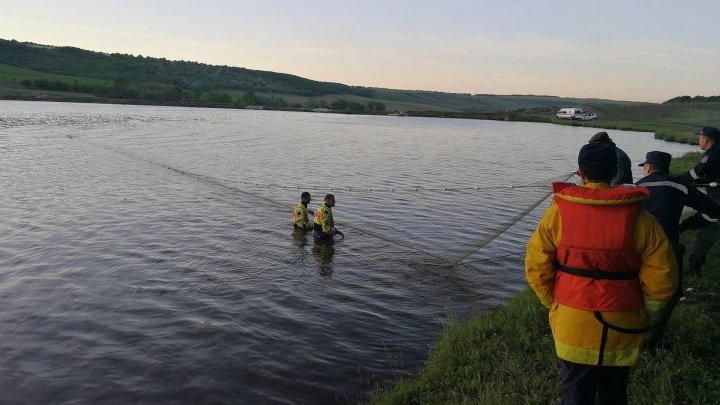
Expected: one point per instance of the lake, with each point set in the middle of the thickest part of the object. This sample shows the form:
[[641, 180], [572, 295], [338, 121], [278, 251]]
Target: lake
[[147, 253]]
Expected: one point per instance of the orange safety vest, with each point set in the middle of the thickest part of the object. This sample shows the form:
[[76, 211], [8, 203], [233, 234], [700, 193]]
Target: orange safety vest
[[597, 263]]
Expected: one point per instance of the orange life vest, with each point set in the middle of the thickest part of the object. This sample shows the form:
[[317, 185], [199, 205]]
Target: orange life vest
[[597, 263]]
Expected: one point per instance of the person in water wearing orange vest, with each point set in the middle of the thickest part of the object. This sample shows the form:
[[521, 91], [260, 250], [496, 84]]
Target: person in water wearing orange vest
[[603, 267], [324, 225], [300, 213]]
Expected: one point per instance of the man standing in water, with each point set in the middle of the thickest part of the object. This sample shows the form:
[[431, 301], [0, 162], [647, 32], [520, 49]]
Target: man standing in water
[[624, 171], [602, 266], [706, 172], [324, 225], [300, 213]]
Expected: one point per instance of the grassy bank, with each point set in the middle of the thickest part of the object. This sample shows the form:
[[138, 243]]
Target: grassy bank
[[674, 122], [506, 356]]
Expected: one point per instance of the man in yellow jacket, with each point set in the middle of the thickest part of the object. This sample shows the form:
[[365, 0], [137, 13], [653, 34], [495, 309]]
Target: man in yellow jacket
[[604, 268], [324, 224], [300, 213]]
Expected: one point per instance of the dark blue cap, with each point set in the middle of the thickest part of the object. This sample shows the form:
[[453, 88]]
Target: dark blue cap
[[659, 159], [710, 132], [597, 154]]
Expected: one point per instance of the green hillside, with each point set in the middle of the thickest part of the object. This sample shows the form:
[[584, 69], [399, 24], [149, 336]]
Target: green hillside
[[33, 71]]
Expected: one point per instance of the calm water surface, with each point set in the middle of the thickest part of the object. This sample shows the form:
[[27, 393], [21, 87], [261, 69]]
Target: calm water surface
[[147, 256]]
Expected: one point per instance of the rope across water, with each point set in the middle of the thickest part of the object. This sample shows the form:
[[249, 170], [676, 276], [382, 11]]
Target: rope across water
[[231, 184]]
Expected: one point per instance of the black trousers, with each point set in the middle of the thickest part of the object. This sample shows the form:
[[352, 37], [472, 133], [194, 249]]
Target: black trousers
[[599, 385]]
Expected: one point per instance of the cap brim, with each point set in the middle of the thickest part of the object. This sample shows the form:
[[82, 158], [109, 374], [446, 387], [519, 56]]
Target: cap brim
[[698, 133], [642, 164]]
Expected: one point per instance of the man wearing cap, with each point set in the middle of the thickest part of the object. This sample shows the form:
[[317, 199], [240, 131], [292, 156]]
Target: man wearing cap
[[706, 172], [668, 196], [603, 266], [624, 172]]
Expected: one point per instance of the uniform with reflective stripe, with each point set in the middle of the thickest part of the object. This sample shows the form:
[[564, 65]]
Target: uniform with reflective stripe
[[707, 170], [669, 195], [577, 333], [300, 216], [324, 219]]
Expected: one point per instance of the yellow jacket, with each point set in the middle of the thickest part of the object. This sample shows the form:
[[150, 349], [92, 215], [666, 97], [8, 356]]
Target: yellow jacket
[[324, 218], [300, 216], [576, 332]]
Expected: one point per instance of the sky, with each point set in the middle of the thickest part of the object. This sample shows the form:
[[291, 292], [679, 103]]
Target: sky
[[623, 50]]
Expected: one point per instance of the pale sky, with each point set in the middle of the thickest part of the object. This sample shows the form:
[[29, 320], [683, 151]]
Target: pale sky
[[638, 50]]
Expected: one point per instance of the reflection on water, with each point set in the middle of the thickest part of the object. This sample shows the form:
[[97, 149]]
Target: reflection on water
[[324, 250], [146, 253]]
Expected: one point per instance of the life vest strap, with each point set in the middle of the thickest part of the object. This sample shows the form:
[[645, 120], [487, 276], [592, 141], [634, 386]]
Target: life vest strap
[[597, 274]]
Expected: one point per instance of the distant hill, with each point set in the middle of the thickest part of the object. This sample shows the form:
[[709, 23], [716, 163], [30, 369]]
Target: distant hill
[[194, 76], [33, 71]]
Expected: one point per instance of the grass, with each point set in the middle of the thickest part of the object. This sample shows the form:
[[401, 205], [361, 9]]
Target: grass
[[675, 122], [11, 76], [506, 356]]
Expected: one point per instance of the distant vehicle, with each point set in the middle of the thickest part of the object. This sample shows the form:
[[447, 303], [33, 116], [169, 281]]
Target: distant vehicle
[[586, 116], [398, 113], [569, 113]]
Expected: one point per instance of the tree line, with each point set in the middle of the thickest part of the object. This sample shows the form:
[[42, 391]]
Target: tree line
[[696, 99], [120, 88], [190, 76]]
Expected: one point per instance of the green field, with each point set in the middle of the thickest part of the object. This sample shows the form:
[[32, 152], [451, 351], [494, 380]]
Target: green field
[[675, 122]]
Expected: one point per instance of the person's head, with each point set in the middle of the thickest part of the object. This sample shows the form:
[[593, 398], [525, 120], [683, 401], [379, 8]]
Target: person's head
[[305, 198], [597, 163], [601, 137], [707, 136], [656, 162], [330, 200]]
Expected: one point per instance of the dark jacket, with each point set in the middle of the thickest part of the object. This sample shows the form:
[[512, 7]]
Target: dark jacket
[[669, 195], [624, 174], [707, 170]]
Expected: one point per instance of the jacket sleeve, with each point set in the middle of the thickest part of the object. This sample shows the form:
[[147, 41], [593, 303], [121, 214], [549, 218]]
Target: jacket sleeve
[[708, 164], [540, 256], [703, 204], [658, 273]]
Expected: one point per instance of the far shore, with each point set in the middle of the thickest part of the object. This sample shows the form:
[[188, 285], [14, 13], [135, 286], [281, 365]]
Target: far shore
[[679, 129]]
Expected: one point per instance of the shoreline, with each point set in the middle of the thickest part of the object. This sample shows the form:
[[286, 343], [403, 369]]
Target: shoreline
[[680, 132], [506, 355]]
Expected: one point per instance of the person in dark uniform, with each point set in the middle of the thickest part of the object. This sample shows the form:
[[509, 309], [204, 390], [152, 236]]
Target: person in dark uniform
[[624, 172], [668, 196], [707, 173]]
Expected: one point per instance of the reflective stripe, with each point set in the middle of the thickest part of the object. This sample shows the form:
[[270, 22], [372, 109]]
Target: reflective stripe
[[709, 219], [581, 355], [653, 306], [672, 184], [693, 174], [588, 201]]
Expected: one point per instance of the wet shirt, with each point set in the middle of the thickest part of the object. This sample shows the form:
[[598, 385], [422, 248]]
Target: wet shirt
[[669, 195], [300, 216], [324, 219]]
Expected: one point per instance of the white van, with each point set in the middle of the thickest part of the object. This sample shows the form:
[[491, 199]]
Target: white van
[[569, 112]]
